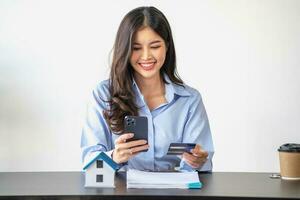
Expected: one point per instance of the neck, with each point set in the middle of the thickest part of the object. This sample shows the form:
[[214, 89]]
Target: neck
[[150, 86]]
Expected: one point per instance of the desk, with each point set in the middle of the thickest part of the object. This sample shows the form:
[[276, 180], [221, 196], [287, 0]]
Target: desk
[[218, 185]]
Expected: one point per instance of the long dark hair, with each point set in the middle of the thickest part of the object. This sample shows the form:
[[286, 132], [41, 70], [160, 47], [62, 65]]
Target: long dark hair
[[122, 96]]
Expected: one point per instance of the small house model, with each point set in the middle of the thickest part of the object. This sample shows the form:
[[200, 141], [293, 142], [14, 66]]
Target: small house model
[[100, 171]]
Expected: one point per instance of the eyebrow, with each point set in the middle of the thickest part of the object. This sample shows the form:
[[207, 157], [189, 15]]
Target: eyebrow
[[153, 42]]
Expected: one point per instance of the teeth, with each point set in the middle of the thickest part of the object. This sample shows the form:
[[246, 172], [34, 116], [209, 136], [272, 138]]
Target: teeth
[[147, 65]]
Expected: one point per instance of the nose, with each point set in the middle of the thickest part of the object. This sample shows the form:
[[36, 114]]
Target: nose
[[146, 54]]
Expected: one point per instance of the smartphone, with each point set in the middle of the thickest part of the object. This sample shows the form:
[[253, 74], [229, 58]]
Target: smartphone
[[138, 125]]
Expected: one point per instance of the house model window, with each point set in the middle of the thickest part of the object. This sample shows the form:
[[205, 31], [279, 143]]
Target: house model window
[[99, 163], [99, 178]]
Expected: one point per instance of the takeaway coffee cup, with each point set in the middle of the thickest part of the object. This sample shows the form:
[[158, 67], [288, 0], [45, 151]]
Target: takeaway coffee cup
[[289, 157]]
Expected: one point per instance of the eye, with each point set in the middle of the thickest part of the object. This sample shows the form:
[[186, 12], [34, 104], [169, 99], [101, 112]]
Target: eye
[[155, 47], [136, 48]]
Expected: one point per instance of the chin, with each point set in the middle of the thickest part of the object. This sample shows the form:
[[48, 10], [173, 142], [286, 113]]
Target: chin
[[148, 74]]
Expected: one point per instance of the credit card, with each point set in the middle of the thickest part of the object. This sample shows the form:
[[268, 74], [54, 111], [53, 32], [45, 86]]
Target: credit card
[[180, 148]]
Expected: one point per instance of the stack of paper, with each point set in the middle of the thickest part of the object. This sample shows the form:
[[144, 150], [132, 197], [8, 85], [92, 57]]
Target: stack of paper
[[142, 179]]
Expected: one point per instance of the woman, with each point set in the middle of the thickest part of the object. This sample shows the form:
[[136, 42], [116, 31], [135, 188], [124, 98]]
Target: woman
[[144, 81]]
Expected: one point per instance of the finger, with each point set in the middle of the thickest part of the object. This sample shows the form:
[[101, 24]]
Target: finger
[[131, 144], [190, 157], [140, 148], [123, 138], [197, 149], [133, 151], [125, 154], [199, 152], [130, 153], [192, 164], [194, 159]]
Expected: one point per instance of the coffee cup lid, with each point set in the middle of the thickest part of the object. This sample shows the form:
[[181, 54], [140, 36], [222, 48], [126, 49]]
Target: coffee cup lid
[[289, 147]]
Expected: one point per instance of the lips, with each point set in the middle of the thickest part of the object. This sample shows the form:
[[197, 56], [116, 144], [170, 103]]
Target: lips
[[147, 66]]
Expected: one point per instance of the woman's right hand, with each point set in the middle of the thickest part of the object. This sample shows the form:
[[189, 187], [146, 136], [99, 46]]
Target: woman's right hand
[[125, 150]]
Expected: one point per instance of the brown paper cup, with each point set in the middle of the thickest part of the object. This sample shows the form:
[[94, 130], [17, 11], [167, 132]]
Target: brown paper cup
[[289, 165]]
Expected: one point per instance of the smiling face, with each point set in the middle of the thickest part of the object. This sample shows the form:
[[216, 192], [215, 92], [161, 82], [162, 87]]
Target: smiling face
[[148, 54]]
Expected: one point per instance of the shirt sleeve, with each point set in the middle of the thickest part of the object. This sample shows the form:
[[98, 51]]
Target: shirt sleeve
[[197, 130], [96, 135]]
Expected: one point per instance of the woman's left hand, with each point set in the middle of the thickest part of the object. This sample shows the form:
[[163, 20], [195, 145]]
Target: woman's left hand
[[196, 158]]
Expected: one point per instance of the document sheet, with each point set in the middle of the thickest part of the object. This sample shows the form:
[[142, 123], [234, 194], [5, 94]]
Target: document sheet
[[142, 179]]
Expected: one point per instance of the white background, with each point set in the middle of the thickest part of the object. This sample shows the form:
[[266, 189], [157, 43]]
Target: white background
[[243, 56]]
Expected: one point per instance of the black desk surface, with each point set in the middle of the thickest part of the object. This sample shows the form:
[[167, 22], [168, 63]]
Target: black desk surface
[[218, 185]]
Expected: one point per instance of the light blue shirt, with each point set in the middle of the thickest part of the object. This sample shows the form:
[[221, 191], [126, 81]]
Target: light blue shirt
[[182, 119]]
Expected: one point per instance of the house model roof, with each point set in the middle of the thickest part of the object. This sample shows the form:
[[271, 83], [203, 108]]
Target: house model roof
[[105, 158]]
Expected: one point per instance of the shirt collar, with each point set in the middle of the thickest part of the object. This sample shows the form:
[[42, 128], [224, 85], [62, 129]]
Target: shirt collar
[[139, 98], [172, 89]]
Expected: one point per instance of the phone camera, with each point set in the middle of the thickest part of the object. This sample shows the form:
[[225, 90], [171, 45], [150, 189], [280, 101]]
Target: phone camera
[[130, 121]]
